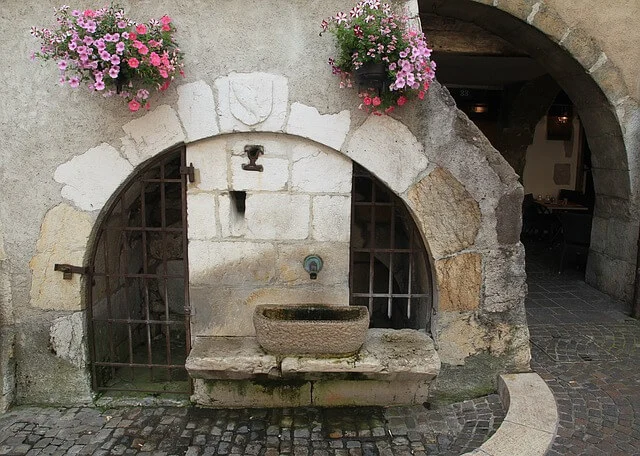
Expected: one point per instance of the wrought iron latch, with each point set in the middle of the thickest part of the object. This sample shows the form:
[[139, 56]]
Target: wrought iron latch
[[189, 171], [68, 270]]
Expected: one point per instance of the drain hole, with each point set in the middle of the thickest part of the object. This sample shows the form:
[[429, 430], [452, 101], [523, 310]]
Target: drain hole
[[239, 200]]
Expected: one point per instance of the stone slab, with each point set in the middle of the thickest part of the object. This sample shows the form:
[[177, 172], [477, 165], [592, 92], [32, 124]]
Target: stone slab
[[344, 393], [250, 393], [228, 358], [529, 400], [387, 354]]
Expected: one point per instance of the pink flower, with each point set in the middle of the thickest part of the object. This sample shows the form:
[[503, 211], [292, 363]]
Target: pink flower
[[137, 44], [389, 110], [376, 101], [165, 20], [125, 35], [141, 29], [147, 106], [120, 47], [87, 40], [143, 50], [401, 100], [324, 24], [163, 73], [62, 80], [133, 62], [89, 13], [154, 59], [115, 60], [165, 86], [142, 94], [132, 36], [340, 18], [104, 55], [166, 28], [122, 24], [73, 45], [134, 105], [74, 81], [99, 85], [62, 65], [421, 94], [114, 71], [367, 100], [75, 13]]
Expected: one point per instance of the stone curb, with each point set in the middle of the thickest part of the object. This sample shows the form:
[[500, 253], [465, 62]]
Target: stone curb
[[531, 421]]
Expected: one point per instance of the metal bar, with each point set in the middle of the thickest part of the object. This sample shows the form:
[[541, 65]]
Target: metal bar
[[112, 353], [372, 203], [140, 321], [145, 266], [139, 228], [412, 247], [142, 276], [376, 250], [185, 261], [391, 245], [163, 224], [91, 329], [393, 295], [165, 180], [372, 242], [125, 242]]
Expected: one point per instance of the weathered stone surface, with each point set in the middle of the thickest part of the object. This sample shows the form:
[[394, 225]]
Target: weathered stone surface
[[562, 174], [274, 177], [7, 367], [619, 284], [517, 439], [151, 134], [504, 279], [228, 358], [328, 129], [231, 263], [389, 150], [209, 159], [92, 177], [387, 354], [340, 393], [63, 239], [232, 222], [67, 338], [316, 170], [201, 209], [459, 281], [528, 401], [620, 235], [335, 270], [250, 394], [331, 218], [277, 216], [252, 102], [509, 216], [197, 110], [446, 213], [612, 182]]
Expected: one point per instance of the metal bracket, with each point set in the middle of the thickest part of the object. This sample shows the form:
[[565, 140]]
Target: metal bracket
[[68, 270], [253, 152], [188, 171]]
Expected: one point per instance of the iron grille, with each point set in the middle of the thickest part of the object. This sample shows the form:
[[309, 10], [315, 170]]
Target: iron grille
[[389, 271], [139, 294]]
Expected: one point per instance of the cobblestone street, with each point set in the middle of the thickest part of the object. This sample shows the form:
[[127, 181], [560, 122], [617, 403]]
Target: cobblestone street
[[583, 344]]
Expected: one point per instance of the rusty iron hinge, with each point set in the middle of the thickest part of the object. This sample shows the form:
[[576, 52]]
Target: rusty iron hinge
[[68, 270], [188, 171]]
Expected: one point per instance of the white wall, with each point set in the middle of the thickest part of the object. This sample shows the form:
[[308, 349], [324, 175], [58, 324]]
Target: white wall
[[543, 155]]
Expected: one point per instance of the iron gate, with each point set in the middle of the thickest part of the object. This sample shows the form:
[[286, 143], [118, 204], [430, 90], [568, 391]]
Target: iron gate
[[389, 271], [139, 296]]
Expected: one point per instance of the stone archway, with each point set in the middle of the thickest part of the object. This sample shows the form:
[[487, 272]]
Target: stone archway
[[609, 115]]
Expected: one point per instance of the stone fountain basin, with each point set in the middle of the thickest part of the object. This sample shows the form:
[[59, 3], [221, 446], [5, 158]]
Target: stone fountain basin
[[311, 329]]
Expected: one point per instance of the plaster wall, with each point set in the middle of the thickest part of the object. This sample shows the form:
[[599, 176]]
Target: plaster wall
[[542, 157]]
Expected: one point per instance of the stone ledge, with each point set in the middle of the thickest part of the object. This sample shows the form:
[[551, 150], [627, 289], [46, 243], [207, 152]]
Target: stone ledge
[[387, 354], [532, 418]]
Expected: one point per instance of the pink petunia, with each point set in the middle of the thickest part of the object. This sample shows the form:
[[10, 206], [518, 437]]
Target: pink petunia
[[122, 24], [141, 29], [134, 105], [73, 46], [166, 28], [99, 85], [120, 47], [133, 62], [143, 50], [376, 101], [163, 73], [62, 65], [74, 81], [115, 60], [401, 100], [154, 59], [367, 100], [114, 71], [165, 20]]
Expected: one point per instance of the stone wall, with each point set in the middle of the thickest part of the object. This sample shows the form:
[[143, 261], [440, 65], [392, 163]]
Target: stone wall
[[7, 332], [250, 231], [69, 151]]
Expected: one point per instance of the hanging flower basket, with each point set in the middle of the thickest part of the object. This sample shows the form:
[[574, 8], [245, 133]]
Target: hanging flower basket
[[112, 54], [388, 60]]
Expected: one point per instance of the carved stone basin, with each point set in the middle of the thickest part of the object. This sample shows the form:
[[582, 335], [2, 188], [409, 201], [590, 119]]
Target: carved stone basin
[[311, 329]]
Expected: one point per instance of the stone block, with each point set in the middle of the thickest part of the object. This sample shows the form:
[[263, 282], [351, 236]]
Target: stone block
[[201, 208], [551, 23], [252, 102], [612, 207], [446, 213], [328, 129], [316, 170], [274, 177], [513, 438], [241, 263], [528, 401], [91, 178], [451, 273], [608, 151], [389, 150], [67, 338], [611, 81], [251, 393], [277, 216], [64, 234], [612, 182], [274, 144], [504, 286], [599, 234], [229, 358], [331, 218], [582, 47], [345, 393], [197, 110], [209, 159], [151, 134], [509, 216], [618, 285], [335, 270], [622, 240]]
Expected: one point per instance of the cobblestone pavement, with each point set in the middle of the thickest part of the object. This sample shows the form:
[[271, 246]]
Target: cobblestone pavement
[[306, 431], [588, 351]]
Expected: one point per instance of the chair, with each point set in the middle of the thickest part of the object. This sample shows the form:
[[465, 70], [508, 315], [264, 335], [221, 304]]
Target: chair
[[576, 234], [535, 222]]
